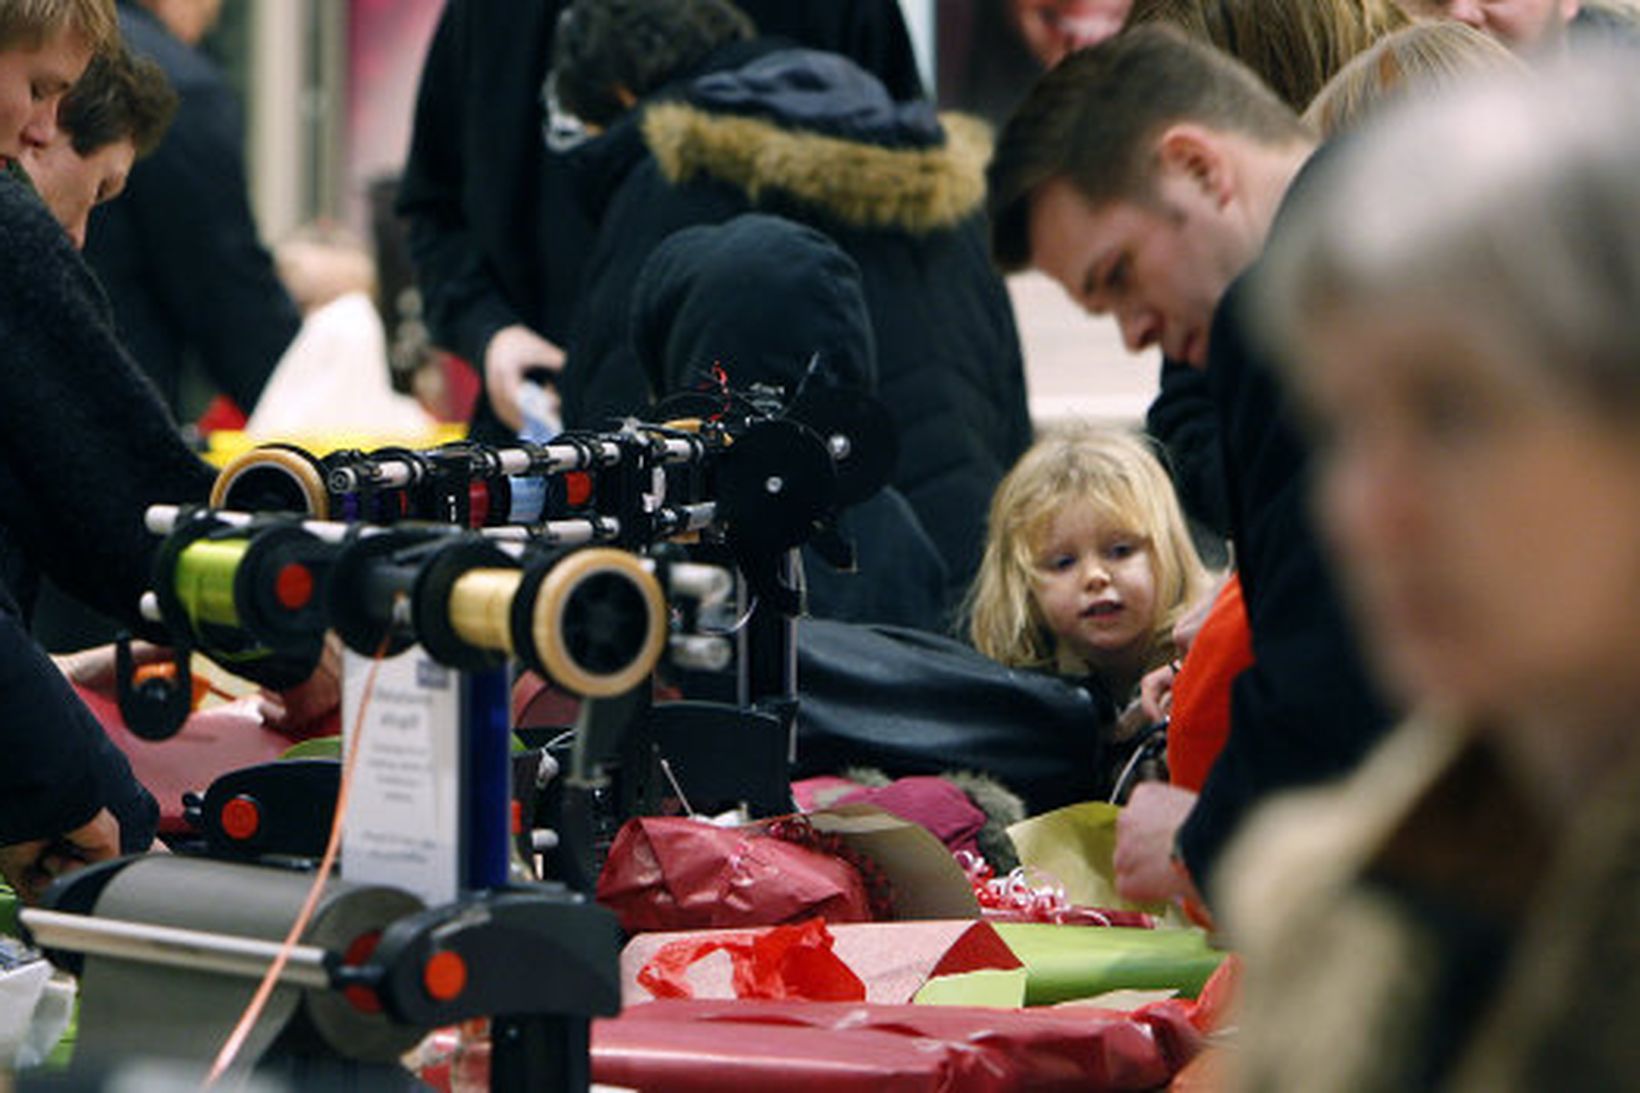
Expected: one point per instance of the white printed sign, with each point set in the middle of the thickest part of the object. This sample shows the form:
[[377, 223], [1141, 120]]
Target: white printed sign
[[403, 825]]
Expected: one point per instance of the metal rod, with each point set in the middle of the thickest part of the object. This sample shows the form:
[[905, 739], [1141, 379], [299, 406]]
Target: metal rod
[[196, 950]]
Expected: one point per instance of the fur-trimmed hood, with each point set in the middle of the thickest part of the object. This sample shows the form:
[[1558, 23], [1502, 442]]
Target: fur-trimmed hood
[[812, 128]]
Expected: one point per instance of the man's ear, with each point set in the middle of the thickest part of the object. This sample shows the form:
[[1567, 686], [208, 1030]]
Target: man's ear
[[1197, 153]]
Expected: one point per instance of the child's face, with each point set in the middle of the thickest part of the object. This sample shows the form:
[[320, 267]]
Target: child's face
[[1095, 588], [32, 82]]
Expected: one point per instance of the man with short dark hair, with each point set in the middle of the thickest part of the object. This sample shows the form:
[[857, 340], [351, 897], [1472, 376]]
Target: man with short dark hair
[[1144, 175], [114, 115]]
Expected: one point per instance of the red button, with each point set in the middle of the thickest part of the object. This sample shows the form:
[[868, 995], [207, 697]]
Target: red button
[[293, 587], [241, 817], [364, 999], [478, 504], [577, 488], [444, 976]]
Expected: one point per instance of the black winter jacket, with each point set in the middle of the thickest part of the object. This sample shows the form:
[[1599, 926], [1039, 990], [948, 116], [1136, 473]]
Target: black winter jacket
[[495, 232], [814, 138], [691, 312], [179, 251], [85, 447], [1304, 712]]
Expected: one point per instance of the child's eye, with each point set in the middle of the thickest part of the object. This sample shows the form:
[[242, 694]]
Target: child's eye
[[1122, 549], [1058, 563]]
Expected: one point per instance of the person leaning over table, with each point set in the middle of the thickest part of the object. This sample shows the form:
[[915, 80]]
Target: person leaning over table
[[85, 447]]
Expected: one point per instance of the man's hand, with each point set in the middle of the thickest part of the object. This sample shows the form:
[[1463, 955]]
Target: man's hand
[[1155, 699], [514, 351], [308, 701], [1145, 870], [30, 867]]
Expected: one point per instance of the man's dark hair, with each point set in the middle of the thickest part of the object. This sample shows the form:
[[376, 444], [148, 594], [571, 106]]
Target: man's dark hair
[[1094, 119], [120, 96], [635, 45]]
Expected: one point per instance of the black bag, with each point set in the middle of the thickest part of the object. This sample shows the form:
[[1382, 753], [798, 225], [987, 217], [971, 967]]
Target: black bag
[[909, 702]]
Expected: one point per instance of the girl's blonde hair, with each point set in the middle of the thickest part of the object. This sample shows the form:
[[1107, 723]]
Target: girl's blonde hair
[[1115, 472], [1420, 58]]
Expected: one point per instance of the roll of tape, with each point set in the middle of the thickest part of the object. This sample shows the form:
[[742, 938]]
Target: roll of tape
[[130, 1010]]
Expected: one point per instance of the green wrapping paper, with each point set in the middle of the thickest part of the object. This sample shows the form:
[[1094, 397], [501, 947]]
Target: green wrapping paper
[[1063, 963], [8, 912]]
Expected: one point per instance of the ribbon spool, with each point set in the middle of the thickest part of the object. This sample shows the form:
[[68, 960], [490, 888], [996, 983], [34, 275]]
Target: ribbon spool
[[593, 621], [372, 590], [205, 574], [273, 478]]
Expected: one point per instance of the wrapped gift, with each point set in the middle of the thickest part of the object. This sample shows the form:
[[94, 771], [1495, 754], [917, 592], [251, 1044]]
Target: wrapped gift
[[670, 873], [687, 1045], [856, 863], [892, 960], [1063, 963]]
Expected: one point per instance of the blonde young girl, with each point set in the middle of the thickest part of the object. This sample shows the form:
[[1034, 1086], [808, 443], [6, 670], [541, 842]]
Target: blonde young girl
[[1088, 563]]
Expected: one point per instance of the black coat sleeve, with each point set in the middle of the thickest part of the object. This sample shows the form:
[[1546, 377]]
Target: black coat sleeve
[[1305, 711], [60, 767], [208, 270], [85, 443], [462, 300]]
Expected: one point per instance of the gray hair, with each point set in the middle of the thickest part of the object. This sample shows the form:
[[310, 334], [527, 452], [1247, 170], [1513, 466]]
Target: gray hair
[[1511, 205]]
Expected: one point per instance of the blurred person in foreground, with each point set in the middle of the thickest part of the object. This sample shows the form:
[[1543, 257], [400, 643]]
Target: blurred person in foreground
[[1462, 914]]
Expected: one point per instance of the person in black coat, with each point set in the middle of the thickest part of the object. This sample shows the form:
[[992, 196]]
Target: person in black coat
[[741, 124], [85, 445], [1155, 229], [774, 303], [496, 234], [179, 254]]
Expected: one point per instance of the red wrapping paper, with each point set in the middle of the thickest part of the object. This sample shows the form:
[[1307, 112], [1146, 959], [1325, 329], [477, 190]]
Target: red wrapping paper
[[724, 1047], [673, 873], [892, 959], [212, 743]]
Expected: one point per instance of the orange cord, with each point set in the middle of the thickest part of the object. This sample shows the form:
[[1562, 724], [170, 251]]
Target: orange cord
[[241, 1031]]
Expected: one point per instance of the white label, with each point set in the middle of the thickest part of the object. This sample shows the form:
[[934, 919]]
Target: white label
[[403, 825]]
